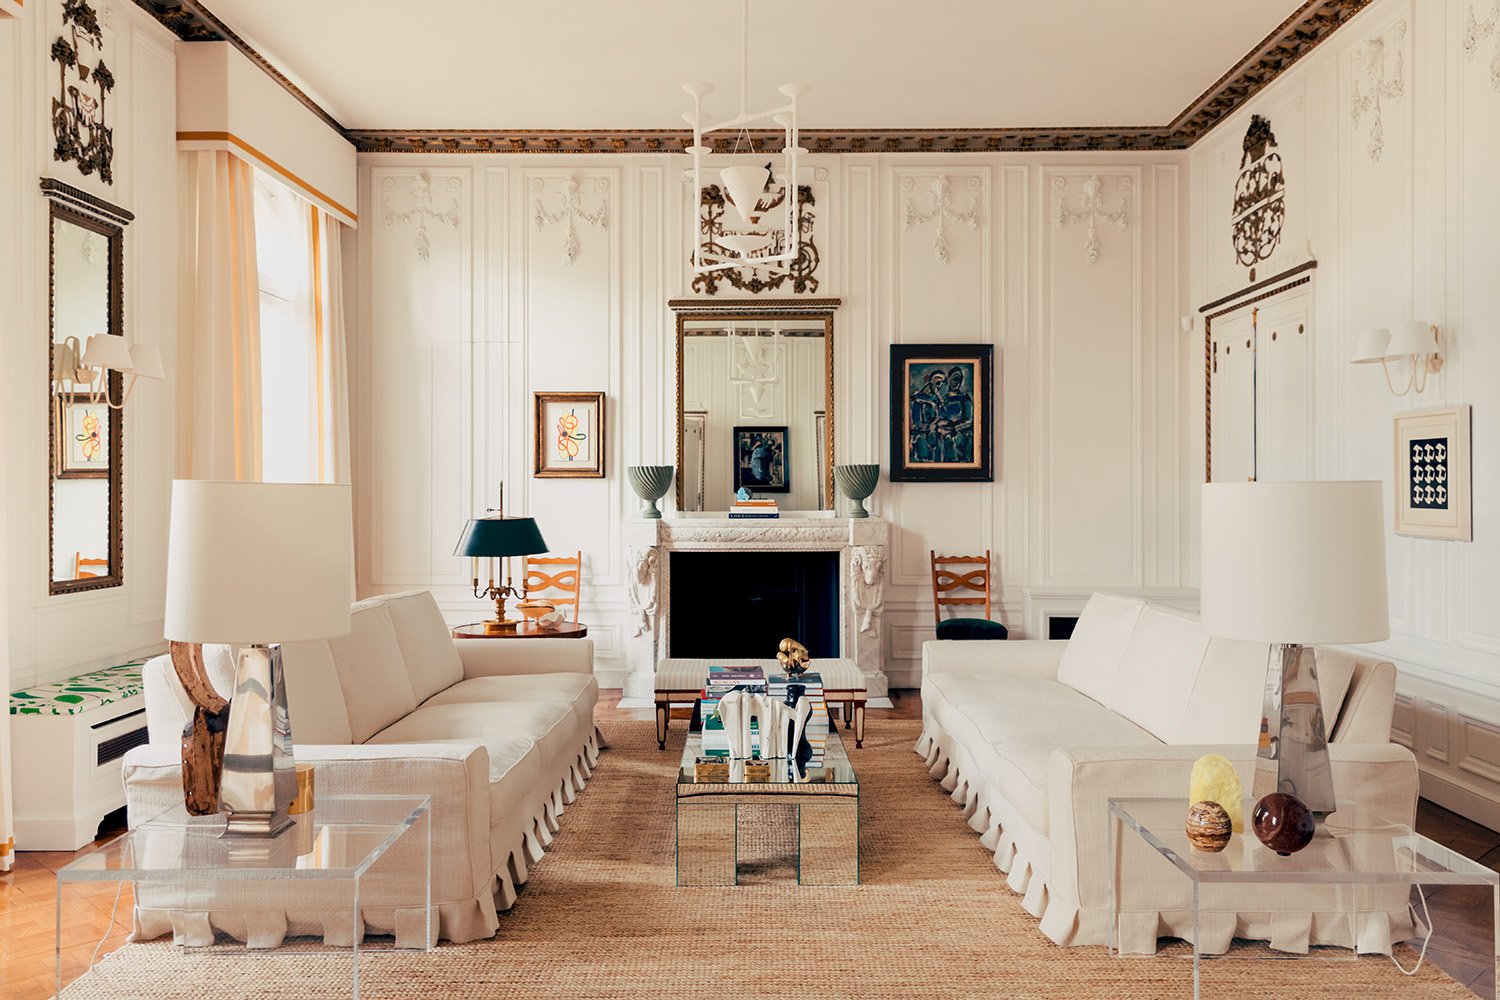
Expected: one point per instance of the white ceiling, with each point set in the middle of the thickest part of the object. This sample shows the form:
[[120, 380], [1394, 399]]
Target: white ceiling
[[584, 64]]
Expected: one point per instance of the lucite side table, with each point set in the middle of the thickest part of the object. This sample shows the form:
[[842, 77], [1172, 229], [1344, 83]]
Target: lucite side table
[[1352, 848], [380, 846]]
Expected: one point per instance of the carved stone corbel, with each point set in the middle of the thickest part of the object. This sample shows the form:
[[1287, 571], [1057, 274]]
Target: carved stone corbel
[[867, 573], [643, 565]]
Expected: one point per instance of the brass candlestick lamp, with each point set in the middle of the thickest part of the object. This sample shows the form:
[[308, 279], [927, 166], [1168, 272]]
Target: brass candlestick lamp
[[498, 537]]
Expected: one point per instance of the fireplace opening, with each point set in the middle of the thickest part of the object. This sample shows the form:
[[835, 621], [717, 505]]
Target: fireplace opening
[[741, 604]]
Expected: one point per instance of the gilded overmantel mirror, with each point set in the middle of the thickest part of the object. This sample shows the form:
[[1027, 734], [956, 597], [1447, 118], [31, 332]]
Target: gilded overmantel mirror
[[86, 267], [755, 402]]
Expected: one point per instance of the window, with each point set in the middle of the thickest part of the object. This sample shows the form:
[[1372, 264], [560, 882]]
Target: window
[[283, 250]]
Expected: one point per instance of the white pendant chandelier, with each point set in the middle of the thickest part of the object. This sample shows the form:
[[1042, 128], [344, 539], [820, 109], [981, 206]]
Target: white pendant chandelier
[[748, 181]]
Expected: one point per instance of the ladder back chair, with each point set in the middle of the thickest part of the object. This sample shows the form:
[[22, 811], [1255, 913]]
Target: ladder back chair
[[963, 582], [558, 579]]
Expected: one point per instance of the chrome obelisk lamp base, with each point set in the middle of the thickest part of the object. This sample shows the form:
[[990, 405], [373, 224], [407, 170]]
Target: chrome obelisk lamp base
[[260, 779], [1293, 754]]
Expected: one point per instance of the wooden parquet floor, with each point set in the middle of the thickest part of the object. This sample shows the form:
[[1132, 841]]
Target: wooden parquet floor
[[28, 893]]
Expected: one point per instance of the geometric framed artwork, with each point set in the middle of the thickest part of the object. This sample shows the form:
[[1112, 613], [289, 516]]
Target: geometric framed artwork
[[760, 459], [84, 448], [569, 435], [942, 398], [1432, 474]]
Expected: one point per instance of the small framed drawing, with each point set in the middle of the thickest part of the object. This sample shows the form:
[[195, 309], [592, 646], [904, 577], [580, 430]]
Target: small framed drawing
[[570, 433], [760, 460], [83, 452], [941, 406], [1432, 474]]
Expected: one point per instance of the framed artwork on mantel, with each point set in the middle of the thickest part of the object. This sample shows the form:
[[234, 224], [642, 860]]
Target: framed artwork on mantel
[[1432, 474], [942, 403], [569, 435]]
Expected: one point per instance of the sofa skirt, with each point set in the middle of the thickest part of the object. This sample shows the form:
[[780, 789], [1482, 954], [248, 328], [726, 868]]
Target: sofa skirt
[[1026, 858]]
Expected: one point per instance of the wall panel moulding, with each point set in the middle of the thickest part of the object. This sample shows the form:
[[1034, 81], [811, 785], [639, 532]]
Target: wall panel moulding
[[1294, 38]]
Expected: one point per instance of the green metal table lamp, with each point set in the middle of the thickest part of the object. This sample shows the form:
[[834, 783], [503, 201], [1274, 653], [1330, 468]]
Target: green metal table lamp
[[498, 537]]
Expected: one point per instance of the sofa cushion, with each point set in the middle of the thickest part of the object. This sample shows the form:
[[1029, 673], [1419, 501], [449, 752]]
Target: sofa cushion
[[1335, 672], [314, 696], [970, 628], [377, 690], [1228, 695], [1093, 654], [1011, 725], [550, 725], [580, 692], [1158, 670], [427, 646], [515, 774]]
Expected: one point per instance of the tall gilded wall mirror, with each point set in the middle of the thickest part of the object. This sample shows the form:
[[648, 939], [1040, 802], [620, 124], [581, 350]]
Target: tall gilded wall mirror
[[755, 402], [85, 407]]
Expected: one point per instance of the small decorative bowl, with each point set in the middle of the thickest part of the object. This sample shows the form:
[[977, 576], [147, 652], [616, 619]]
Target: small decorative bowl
[[534, 609]]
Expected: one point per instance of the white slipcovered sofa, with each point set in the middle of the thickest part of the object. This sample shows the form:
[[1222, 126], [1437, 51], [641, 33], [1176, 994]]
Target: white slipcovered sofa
[[1032, 738], [499, 732]]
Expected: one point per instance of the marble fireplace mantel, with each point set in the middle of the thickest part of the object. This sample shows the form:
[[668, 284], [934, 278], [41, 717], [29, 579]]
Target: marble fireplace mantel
[[862, 544]]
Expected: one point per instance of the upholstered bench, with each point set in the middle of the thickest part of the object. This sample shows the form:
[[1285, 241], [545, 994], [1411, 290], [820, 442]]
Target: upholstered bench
[[680, 682], [72, 735]]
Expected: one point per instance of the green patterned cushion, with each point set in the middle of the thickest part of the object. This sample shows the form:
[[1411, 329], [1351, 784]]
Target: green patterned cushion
[[80, 694]]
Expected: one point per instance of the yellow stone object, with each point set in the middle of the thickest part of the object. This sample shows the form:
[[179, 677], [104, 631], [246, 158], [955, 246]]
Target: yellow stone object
[[1214, 780]]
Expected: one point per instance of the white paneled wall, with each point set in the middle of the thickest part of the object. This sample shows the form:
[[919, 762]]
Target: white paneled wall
[[462, 318], [1404, 221], [52, 637]]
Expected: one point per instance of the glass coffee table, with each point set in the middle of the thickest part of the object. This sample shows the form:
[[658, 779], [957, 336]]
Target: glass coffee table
[[824, 798], [1354, 848], [377, 845]]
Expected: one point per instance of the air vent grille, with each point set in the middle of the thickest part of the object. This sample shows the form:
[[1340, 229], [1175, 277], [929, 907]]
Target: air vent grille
[[118, 746]]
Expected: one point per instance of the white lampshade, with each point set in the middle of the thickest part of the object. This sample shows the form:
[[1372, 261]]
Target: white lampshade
[[1294, 562], [145, 361], [1371, 346], [1411, 338], [744, 185], [258, 562], [106, 351]]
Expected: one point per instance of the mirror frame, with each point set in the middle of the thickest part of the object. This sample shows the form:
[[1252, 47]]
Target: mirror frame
[[752, 310], [75, 207]]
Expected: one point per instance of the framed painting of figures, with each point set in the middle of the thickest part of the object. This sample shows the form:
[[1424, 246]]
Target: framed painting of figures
[[942, 404]]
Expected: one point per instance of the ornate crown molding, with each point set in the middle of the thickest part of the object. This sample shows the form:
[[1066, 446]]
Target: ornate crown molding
[[1293, 39]]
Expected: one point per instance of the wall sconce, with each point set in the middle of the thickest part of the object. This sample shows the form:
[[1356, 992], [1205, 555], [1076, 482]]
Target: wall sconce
[[1416, 342], [104, 353]]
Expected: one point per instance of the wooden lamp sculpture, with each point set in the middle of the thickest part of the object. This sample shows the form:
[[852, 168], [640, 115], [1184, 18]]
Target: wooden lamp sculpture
[[203, 736]]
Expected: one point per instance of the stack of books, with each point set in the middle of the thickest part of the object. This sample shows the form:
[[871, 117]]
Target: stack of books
[[757, 507], [818, 724], [721, 681]]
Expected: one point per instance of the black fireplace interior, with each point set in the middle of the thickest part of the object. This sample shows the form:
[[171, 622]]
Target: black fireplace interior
[[741, 604]]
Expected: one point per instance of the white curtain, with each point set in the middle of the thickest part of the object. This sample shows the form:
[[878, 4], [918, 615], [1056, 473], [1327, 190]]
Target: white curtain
[[219, 352], [331, 428]]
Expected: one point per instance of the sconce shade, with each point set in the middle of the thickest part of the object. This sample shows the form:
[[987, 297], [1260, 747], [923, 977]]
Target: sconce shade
[[1294, 562], [744, 185], [1411, 338], [491, 537], [145, 361], [258, 562], [1371, 346], [104, 350]]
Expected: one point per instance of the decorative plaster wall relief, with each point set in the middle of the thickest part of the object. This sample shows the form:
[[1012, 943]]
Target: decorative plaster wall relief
[[1476, 31], [941, 208], [422, 211], [571, 212], [800, 272], [1259, 196], [1379, 74], [867, 576], [1091, 210], [643, 565], [79, 131]]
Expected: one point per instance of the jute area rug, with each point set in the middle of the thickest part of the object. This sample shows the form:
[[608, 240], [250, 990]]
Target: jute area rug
[[601, 917]]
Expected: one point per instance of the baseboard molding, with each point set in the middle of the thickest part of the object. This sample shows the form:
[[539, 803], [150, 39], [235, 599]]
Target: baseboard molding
[[1460, 798]]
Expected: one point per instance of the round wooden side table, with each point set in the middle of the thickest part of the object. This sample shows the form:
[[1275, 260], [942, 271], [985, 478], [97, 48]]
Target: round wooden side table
[[523, 630]]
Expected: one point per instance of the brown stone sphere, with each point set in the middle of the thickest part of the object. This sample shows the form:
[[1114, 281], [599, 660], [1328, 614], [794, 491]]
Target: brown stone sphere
[[1283, 823], [1208, 827]]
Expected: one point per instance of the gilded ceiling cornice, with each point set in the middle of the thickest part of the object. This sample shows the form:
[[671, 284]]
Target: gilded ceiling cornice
[[1293, 39]]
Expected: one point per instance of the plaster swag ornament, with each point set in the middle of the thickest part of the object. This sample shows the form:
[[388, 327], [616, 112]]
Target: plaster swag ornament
[[1476, 31], [940, 208], [571, 212], [643, 565], [1259, 196], [1375, 80], [867, 576], [422, 211], [1090, 210], [84, 82]]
